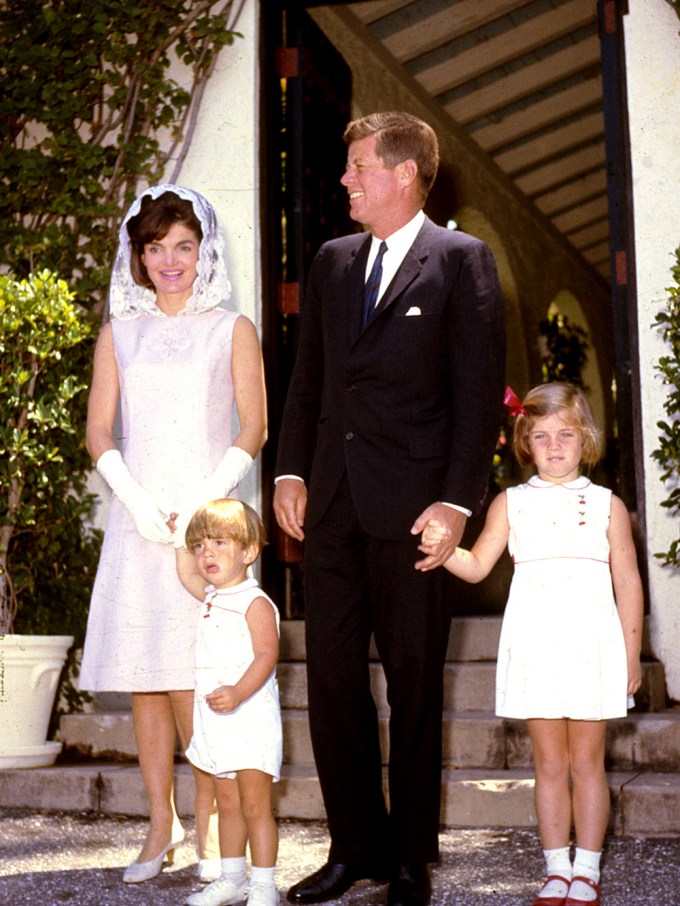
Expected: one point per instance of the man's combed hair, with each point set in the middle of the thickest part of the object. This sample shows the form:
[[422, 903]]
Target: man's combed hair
[[226, 518], [400, 137], [154, 221], [549, 399]]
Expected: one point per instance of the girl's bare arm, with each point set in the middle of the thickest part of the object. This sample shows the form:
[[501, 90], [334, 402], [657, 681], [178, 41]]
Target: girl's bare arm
[[627, 587]]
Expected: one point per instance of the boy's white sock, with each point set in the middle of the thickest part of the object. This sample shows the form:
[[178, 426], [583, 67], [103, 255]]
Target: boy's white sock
[[557, 862], [262, 875], [234, 868]]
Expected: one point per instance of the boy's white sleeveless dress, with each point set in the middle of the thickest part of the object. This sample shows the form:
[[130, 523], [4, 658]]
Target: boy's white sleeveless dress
[[249, 737], [561, 651], [176, 401]]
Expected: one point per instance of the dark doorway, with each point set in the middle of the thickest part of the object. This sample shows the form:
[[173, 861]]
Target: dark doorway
[[306, 92]]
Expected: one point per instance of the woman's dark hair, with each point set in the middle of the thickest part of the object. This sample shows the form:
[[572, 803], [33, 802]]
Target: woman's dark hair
[[155, 219]]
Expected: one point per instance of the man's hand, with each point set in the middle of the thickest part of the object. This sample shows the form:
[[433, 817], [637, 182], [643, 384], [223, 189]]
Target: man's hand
[[453, 522], [290, 504]]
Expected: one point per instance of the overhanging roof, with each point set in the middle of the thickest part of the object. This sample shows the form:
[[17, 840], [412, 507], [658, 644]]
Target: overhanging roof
[[523, 78]]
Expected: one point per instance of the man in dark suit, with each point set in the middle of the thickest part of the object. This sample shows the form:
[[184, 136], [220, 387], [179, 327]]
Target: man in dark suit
[[391, 419]]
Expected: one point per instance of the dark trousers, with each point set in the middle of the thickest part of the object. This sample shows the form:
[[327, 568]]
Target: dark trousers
[[357, 585]]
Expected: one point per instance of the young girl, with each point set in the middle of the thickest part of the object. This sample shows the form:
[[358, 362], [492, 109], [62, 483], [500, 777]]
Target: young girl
[[237, 720], [569, 652]]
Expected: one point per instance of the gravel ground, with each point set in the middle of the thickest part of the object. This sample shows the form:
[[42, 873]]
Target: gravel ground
[[50, 859]]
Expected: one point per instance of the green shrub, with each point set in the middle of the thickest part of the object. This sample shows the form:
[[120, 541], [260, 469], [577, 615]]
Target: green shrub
[[47, 554]]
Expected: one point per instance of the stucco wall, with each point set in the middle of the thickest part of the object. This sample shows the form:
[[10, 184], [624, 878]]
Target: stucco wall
[[223, 164], [653, 72]]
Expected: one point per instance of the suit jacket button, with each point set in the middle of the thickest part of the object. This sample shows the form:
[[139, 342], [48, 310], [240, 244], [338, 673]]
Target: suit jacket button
[[351, 388], [349, 435]]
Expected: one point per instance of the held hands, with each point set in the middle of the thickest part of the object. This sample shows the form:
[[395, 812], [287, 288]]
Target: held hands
[[224, 699], [149, 521], [232, 469], [433, 533], [442, 527]]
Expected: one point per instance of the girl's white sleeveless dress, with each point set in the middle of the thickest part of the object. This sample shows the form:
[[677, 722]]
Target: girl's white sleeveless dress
[[176, 402], [249, 737], [561, 651]]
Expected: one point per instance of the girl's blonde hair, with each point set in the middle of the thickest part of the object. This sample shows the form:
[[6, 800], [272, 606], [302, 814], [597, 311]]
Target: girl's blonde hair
[[226, 518], [549, 399]]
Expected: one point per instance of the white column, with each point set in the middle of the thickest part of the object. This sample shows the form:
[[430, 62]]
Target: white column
[[652, 49], [223, 164]]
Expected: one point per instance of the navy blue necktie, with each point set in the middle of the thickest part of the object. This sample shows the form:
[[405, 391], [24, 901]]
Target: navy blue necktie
[[373, 285]]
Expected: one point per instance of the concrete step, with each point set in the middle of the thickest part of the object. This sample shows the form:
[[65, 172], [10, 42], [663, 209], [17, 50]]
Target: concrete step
[[479, 739], [468, 686], [643, 804], [471, 638], [469, 674]]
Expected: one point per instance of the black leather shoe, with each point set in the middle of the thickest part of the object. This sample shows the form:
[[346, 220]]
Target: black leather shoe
[[411, 887], [331, 881]]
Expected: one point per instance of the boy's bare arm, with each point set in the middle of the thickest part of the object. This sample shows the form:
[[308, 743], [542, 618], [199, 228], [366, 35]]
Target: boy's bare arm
[[188, 573]]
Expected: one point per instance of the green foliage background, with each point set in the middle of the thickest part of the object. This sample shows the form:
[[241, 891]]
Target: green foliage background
[[89, 113]]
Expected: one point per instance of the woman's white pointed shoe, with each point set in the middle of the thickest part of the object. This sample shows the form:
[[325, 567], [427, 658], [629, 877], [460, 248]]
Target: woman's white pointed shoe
[[144, 871]]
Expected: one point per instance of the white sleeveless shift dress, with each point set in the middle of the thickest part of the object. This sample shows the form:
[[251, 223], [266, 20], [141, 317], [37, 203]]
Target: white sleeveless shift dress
[[176, 402], [561, 651]]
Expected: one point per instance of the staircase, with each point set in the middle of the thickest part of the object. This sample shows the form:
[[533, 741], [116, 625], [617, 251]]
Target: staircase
[[487, 778]]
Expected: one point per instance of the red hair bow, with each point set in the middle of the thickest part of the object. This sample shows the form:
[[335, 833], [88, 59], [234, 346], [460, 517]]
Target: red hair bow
[[513, 402]]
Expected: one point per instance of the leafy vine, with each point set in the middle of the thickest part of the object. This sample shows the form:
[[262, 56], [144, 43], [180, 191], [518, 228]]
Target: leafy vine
[[90, 109], [668, 452]]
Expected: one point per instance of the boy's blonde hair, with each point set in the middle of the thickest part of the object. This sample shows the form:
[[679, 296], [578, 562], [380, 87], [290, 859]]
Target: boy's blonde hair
[[226, 518], [549, 399]]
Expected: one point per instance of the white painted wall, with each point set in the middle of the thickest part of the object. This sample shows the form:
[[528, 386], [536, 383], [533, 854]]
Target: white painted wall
[[653, 72], [223, 165]]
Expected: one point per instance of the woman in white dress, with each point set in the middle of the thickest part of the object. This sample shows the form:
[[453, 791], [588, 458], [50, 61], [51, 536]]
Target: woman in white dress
[[569, 651], [170, 366]]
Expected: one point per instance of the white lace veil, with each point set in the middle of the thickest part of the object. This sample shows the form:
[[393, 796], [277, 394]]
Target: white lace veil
[[128, 299]]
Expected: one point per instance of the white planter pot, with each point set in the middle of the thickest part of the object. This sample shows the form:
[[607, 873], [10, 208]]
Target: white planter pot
[[30, 666]]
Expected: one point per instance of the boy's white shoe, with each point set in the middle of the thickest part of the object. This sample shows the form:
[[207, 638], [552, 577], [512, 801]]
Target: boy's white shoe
[[263, 895], [222, 892]]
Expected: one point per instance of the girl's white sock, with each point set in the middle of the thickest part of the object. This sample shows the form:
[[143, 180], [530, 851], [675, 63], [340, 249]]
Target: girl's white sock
[[586, 865], [234, 868], [557, 862], [263, 876]]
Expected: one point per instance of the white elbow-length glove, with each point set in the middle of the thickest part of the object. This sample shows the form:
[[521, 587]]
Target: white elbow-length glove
[[229, 472], [148, 519]]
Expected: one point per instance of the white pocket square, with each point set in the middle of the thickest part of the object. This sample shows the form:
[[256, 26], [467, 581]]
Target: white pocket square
[[413, 310]]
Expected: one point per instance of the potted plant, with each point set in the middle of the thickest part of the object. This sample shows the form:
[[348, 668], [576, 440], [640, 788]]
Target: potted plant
[[46, 550]]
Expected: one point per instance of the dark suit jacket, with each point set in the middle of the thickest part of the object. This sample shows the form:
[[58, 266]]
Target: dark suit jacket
[[410, 407]]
